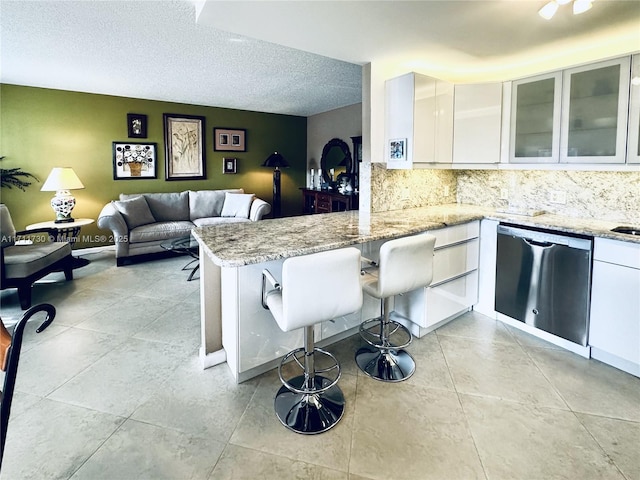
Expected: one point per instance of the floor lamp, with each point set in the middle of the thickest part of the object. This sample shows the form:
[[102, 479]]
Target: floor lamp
[[276, 161]]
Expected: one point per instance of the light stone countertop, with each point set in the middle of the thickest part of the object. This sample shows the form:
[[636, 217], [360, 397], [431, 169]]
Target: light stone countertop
[[238, 244]]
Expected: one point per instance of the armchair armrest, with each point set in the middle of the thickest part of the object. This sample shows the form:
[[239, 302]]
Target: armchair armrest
[[259, 208], [51, 234]]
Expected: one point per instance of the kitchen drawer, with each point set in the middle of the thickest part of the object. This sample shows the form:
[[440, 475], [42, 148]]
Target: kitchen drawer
[[456, 233], [618, 252], [428, 306], [455, 260]]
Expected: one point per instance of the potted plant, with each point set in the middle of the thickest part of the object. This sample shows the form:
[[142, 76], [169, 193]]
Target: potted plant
[[15, 177]]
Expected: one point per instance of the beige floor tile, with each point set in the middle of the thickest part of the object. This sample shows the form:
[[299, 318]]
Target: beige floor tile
[[237, 463], [261, 430], [206, 403], [140, 451], [589, 386], [53, 439], [124, 378], [179, 325], [529, 442], [407, 432], [431, 366], [478, 327], [497, 370], [619, 438]]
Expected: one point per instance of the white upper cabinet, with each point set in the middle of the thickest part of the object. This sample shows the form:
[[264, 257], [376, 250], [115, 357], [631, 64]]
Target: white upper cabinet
[[477, 115], [535, 119], [633, 145], [595, 100], [418, 121]]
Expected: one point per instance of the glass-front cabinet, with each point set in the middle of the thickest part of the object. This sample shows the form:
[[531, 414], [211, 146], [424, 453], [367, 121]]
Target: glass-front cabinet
[[633, 146], [535, 114], [594, 114]]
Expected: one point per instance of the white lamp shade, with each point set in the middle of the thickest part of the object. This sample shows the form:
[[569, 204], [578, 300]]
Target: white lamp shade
[[62, 178]]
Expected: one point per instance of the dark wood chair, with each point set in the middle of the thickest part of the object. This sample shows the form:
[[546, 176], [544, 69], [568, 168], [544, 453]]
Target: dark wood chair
[[10, 346], [21, 265]]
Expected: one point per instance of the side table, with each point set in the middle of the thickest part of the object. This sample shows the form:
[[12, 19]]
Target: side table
[[67, 232]]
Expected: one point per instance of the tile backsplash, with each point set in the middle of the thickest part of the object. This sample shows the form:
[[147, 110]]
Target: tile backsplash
[[613, 196]]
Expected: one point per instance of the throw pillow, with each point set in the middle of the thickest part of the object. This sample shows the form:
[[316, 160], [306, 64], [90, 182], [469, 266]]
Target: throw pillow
[[237, 205], [135, 212]]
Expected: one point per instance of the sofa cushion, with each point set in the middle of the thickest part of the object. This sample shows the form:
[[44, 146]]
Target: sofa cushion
[[135, 211], [208, 221], [169, 207], [207, 203], [237, 205], [160, 231]]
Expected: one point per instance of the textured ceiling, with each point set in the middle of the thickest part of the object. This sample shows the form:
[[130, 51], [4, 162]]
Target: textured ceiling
[[295, 57], [156, 50]]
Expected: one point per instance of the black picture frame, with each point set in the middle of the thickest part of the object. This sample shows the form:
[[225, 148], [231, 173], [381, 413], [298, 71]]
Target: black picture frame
[[184, 143], [229, 165], [142, 156], [136, 125]]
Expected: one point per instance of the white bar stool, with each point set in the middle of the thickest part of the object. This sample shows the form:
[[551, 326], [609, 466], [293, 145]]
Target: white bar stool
[[405, 264], [314, 288]]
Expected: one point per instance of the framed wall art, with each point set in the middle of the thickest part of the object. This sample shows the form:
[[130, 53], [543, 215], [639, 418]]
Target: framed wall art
[[229, 139], [136, 125], [229, 165], [134, 160], [184, 147], [398, 150]]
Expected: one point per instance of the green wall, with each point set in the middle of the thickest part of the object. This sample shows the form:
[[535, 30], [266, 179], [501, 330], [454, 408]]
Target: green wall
[[42, 129]]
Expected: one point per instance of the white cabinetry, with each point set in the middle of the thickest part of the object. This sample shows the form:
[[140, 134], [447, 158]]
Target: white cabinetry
[[477, 117], [454, 288], [418, 112], [614, 331], [595, 100], [633, 145]]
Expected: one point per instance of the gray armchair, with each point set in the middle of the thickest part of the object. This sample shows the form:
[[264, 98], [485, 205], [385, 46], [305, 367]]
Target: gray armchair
[[22, 265]]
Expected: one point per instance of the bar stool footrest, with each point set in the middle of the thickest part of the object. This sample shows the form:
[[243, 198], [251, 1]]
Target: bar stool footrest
[[371, 332], [317, 388]]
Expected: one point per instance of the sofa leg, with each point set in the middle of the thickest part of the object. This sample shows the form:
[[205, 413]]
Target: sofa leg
[[119, 262]]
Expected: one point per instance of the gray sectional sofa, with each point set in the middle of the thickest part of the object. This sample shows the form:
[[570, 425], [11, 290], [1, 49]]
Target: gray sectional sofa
[[140, 223]]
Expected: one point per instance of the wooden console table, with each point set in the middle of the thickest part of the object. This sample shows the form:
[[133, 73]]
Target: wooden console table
[[327, 201]]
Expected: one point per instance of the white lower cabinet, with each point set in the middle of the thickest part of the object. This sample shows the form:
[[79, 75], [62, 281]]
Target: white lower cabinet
[[614, 331], [454, 289]]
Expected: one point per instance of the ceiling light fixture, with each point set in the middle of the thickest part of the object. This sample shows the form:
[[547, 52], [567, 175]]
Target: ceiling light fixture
[[549, 9]]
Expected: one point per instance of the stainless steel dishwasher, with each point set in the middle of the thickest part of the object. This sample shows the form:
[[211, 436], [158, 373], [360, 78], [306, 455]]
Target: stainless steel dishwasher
[[544, 280]]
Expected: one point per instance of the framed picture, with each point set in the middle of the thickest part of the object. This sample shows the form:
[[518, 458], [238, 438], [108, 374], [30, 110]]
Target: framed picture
[[184, 147], [398, 150], [136, 125], [229, 165], [229, 139], [133, 161]]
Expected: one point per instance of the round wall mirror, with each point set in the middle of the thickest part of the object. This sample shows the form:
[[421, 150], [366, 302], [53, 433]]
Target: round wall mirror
[[336, 156]]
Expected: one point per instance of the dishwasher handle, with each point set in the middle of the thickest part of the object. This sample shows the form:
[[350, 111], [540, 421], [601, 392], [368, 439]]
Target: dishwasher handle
[[535, 243]]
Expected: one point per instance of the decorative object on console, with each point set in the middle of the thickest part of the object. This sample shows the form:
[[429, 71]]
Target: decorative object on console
[[336, 157], [229, 165], [61, 180], [229, 139], [276, 161], [184, 147], [134, 160], [136, 125]]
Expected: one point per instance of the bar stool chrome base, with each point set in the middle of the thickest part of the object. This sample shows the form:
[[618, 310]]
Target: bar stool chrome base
[[385, 365], [310, 413], [384, 359]]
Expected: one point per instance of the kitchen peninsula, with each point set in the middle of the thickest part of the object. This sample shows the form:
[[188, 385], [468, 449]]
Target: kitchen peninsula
[[235, 328]]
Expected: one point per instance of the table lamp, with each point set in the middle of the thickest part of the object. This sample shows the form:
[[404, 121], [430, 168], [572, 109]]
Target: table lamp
[[276, 161], [61, 180]]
